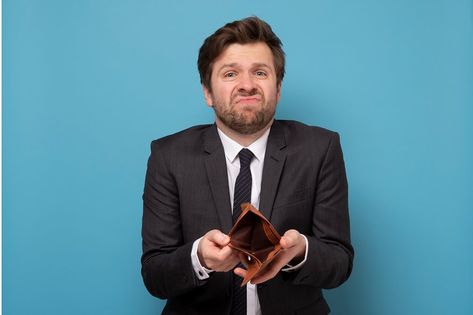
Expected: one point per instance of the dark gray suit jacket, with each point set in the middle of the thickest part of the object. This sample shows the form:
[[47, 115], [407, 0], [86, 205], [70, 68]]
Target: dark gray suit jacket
[[186, 194]]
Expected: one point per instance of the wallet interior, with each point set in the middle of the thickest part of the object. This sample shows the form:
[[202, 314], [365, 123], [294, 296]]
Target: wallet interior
[[254, 236]]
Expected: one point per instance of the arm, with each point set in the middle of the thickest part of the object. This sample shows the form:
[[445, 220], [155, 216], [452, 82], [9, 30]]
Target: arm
[[166, 261], [329, 254], [168, 266]]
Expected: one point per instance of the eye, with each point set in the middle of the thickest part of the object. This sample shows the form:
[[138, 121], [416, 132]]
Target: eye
[[260, 73], [229, 74]]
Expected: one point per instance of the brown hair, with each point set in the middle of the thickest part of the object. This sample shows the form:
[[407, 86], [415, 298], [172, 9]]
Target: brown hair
[[246, 31]]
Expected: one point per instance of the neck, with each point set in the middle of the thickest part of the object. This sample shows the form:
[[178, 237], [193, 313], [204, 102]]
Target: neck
[[242, 139]]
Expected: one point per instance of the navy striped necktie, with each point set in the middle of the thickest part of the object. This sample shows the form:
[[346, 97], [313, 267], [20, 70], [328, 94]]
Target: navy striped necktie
[[242, 194]]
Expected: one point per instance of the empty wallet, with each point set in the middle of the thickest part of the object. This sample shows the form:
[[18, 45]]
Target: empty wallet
[[255, 237]]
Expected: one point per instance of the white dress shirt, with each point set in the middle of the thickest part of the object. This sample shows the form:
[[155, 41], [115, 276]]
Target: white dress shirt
[[231, 149]]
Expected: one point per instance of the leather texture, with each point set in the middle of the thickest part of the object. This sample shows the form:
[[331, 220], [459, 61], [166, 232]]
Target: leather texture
[[255, 237]]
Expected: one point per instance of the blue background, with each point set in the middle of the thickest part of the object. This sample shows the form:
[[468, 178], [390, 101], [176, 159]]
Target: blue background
[[88, 84]]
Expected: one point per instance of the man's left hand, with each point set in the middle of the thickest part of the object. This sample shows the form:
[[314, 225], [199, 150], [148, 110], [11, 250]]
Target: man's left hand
[[293, 250]]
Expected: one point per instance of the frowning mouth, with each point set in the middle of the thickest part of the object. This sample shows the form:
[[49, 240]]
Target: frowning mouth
[[247, 99]]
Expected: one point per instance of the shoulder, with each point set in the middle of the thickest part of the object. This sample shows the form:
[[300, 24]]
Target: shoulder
[[181, 148], [302, 141], [183, 140], [299, 132]]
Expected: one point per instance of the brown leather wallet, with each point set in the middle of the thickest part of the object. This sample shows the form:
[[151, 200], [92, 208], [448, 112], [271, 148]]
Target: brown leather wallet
[[253, 235]]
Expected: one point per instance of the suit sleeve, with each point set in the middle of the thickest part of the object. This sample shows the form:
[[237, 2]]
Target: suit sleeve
[[166, 264], [330, 254]]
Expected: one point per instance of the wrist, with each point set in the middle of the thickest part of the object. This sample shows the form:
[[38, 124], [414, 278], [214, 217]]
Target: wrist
[[200, 257], [299, 257]]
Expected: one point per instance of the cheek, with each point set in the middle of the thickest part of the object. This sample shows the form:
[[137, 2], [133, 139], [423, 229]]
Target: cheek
[[271, 92], [224, 92]]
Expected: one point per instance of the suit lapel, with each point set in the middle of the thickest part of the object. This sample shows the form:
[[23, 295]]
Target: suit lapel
[[216, 168], [274, 160]]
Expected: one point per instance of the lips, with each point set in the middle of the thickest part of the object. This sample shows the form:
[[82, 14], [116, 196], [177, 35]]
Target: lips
[[247, 99]]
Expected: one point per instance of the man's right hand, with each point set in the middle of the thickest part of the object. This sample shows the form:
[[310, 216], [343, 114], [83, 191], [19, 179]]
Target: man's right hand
[[214, 252]]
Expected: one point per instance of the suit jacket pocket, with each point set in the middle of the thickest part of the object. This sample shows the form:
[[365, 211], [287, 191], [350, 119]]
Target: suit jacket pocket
[[292, 197]]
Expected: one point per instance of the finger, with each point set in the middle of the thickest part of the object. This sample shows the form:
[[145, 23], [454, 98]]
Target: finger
[[230, 265], [227, 265], [229, 260], [217, 237], [227, 252], [290, 238], [240, 272]]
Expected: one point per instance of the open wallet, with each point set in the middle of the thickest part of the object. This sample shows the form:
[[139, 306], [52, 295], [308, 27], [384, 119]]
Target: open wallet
[[255, 237]]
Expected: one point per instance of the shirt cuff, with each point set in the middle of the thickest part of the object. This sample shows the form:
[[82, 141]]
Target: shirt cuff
[[201, 272], [290, 268]]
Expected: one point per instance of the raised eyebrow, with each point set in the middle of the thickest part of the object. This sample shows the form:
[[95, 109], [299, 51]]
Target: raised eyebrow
[[261, 65], [228, 65], [235, 65]]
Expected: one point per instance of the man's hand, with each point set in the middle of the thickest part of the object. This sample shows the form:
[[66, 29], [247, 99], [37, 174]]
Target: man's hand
[[293, 250], [214, 252]]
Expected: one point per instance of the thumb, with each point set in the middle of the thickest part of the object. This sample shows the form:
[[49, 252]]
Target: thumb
[[289, 239], [217, 237]]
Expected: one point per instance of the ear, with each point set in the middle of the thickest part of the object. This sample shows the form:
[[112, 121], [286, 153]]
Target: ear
[[207, 96]]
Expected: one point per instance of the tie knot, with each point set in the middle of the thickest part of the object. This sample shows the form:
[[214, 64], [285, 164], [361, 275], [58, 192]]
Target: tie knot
[[245, 156]]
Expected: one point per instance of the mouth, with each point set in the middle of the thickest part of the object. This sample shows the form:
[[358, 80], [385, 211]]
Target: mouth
[[248, 100]]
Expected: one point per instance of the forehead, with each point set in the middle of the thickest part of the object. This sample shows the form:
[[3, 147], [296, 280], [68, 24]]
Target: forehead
[[245, 55]]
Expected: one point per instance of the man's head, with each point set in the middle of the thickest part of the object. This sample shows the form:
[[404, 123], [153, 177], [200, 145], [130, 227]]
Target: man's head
[[247, 31], [241, 69]]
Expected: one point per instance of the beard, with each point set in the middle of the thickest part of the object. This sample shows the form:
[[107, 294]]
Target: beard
[[245, 119]]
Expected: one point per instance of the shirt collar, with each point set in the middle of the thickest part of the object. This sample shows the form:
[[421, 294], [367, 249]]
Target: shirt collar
[[232, 148]]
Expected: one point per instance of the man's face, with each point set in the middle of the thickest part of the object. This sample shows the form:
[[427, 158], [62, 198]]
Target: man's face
[[244, 89]]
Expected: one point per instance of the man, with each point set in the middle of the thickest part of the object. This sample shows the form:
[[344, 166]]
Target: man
[[293, 173]]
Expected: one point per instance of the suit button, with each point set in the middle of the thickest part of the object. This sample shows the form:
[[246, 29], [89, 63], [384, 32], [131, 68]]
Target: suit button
[[184, 279]]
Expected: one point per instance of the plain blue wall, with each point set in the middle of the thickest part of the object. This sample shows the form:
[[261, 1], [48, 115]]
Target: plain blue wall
[[88, 84]]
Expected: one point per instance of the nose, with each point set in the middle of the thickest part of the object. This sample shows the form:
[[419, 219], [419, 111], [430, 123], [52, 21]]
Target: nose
[[246, 82]]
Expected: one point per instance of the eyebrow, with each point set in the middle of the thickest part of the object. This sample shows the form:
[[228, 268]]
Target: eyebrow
[[235, 65]]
